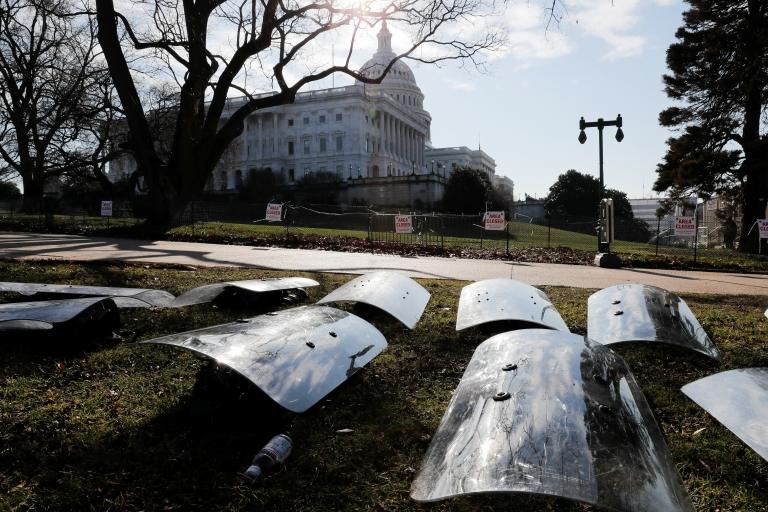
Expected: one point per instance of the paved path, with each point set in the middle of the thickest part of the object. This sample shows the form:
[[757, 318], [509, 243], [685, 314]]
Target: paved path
[[78, 248]]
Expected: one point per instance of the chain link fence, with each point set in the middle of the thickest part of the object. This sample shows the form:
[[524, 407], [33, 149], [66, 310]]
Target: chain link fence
[[376, 226]]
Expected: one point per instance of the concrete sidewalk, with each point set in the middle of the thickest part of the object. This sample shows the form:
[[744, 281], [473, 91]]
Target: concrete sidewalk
[[78, 248]]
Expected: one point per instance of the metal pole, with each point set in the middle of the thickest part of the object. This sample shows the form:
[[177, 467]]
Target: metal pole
[[442, 232], [602, 183], [695, 234], [506, 228], [549, 232]]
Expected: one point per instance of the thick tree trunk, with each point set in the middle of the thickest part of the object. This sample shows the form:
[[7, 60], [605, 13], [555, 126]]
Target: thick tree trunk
[[32, 201], [170, 193], [163, 207], [754, 200], [755, 165]]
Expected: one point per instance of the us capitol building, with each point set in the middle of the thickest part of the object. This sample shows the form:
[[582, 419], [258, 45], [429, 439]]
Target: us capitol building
[[370, 143]]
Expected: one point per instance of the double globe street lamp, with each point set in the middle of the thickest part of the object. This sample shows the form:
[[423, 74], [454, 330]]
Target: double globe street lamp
[[602, 247]]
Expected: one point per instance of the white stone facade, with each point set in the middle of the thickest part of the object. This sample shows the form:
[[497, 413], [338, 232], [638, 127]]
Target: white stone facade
[[357, 132], [446, 160], [351, 132]]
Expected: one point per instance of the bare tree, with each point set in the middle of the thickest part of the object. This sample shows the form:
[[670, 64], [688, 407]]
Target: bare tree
[[274, 40], [52, 93]]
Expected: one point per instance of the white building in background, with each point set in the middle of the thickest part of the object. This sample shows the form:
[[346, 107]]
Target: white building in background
[[645, 209], [373, 140], [449, 159], [358, 131]]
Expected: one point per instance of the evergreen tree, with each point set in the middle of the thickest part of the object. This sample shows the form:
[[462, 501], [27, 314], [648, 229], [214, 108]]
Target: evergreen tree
[[467, 191], [719, 78]]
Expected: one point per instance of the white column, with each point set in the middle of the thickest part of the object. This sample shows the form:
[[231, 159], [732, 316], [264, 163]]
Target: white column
[[408, 146], [396, 128], [257, 152], [274, 151], [411, 148], [384, 131]]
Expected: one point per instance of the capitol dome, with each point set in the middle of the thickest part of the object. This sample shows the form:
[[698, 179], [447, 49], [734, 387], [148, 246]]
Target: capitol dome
[[400, 82]]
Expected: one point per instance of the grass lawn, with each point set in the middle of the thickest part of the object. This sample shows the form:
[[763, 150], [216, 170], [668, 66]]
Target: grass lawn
[[115, 425], [523, 236]]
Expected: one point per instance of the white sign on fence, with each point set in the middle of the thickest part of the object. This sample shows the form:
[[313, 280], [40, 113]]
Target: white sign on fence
[[403, 224], [685, 226], [495, 221], [762, 228], [274, 212], [106, 208]]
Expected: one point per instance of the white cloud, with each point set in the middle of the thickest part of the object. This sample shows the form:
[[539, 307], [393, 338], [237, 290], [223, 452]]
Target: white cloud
[[612, 22], [527, 37], [463, 86]]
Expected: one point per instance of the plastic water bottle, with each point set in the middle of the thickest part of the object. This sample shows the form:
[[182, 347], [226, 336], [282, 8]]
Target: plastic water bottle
[[272, 455]]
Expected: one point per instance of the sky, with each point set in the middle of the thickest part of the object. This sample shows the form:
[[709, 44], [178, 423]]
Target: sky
[[602, 59]]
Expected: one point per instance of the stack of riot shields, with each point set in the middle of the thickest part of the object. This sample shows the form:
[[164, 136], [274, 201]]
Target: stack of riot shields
[[297, 356], [542, 411], [58, 308]]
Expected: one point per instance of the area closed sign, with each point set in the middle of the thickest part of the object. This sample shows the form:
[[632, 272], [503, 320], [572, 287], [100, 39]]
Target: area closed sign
[[106, 208], [274, 212], [685, 226], [495, 221], [762, 227], [403, 224]]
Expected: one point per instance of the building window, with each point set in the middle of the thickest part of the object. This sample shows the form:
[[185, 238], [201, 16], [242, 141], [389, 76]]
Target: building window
[[323, 144], [290, 147], [321, 119], [306, 121], [338, 117], [290, 122], [238, 179], [339, 143], [307, 146], [291, 175]]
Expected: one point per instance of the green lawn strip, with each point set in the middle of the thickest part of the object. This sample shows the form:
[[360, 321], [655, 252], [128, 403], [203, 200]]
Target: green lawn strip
[[523, 236], [124, 426]]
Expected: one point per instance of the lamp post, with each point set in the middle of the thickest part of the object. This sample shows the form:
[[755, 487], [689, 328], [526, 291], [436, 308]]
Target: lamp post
[[413, 167], [600, 124]]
